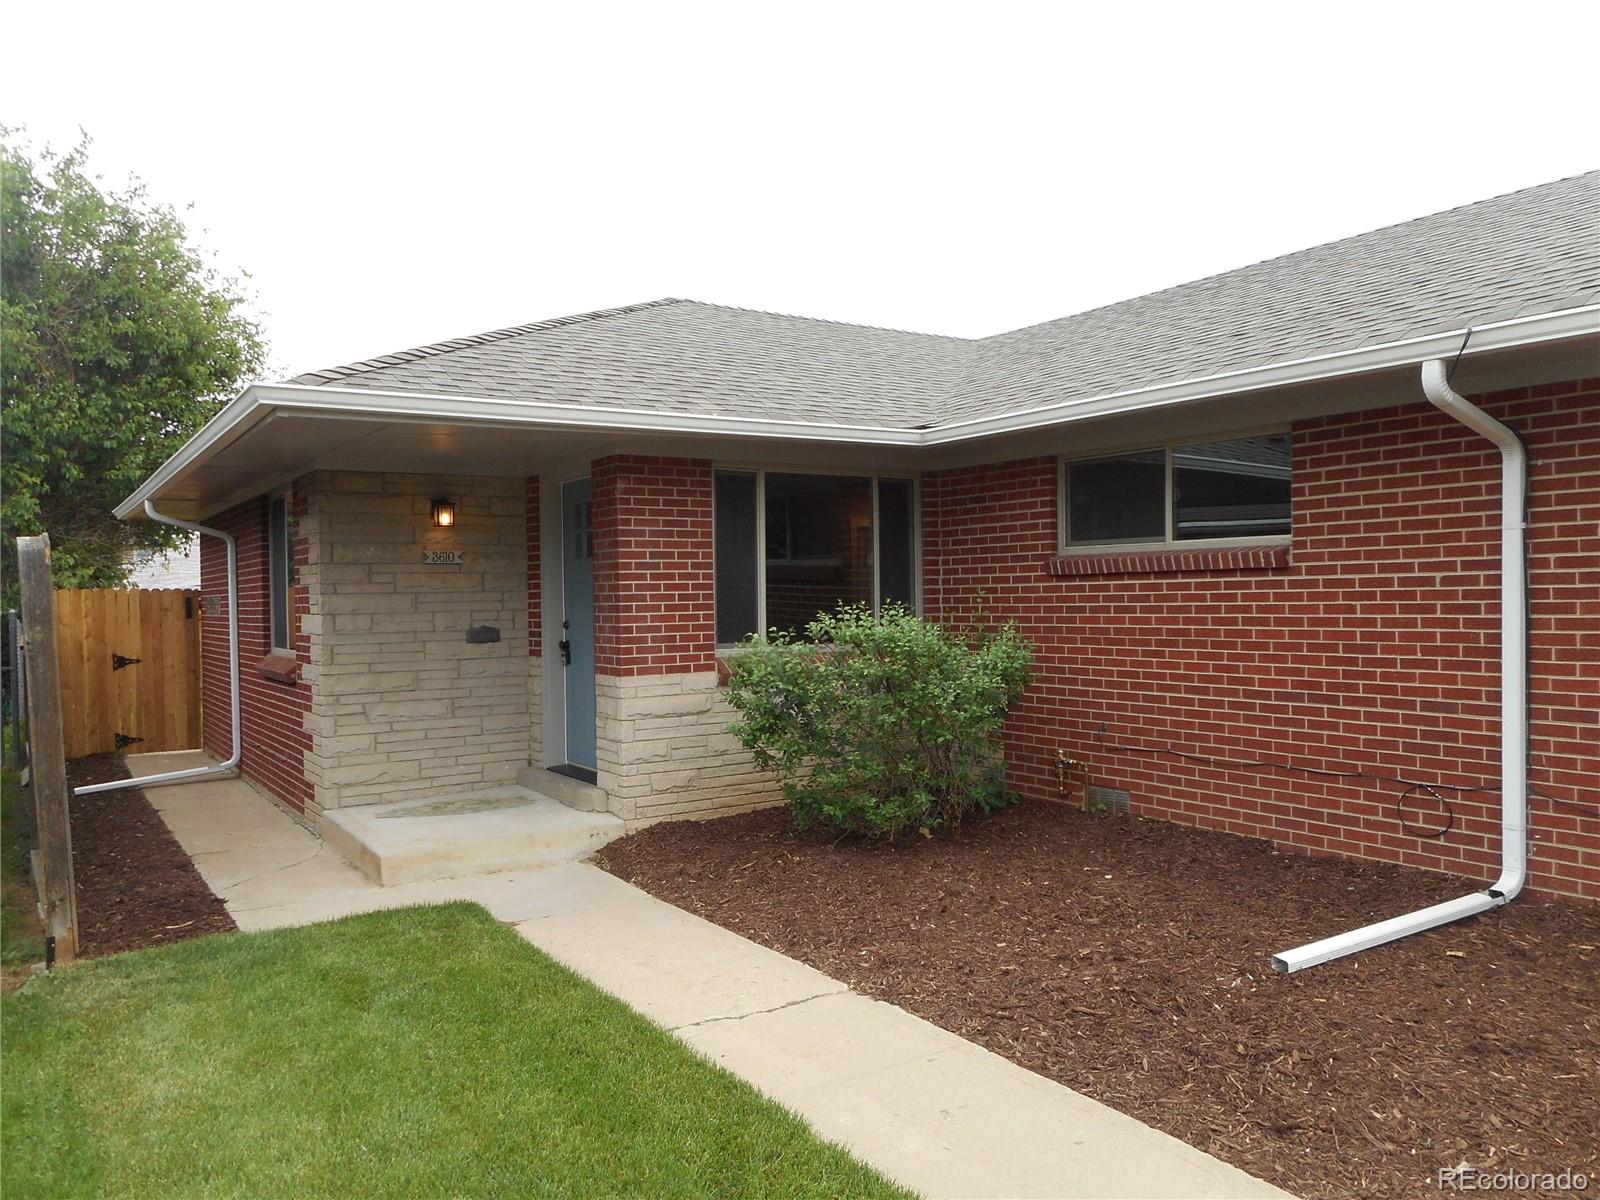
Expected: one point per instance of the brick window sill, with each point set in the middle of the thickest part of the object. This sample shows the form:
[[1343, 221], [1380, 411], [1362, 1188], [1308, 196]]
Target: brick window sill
[[1156, 562], [279, 667]]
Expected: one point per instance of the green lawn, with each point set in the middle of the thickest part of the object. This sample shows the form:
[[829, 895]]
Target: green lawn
[[417, 1053]]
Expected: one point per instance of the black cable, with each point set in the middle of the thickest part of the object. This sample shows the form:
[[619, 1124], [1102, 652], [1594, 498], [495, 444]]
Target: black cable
[[1451, 373], [1417, 830], [1411, 786]]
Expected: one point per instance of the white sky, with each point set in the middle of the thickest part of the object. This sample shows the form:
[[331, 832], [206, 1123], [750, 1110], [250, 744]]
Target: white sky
[[392, 174]]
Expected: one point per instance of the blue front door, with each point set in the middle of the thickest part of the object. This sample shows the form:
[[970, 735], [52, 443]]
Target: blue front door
[[577, 628]]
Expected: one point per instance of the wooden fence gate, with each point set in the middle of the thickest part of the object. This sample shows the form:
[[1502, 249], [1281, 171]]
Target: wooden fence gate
[[130, 670]]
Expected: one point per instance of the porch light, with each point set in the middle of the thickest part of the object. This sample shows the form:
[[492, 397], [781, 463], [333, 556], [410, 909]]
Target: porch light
[[444, 513]]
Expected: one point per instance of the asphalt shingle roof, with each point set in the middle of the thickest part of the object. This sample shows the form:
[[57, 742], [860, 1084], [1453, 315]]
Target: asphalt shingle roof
[[1532, 251], [682, 356]]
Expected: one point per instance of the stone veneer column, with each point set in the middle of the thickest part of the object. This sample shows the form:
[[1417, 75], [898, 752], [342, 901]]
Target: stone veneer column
[[403, 705], [662, 741]]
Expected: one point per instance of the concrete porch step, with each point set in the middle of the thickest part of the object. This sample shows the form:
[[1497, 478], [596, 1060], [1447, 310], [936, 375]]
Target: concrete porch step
[[446, 836]]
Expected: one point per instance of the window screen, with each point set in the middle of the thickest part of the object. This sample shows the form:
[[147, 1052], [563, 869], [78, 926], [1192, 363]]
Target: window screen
[[735, 521], [1121, 499], [1238, 488]]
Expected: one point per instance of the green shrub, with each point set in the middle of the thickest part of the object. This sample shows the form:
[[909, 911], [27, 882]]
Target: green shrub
[[877, 725]]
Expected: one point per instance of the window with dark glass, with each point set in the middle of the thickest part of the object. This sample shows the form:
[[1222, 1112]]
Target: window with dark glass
[[1238, 488], [819, 546], [735, 522], [1120, 499], [581, 534], [897, 575], [280, 571], [791, 546]]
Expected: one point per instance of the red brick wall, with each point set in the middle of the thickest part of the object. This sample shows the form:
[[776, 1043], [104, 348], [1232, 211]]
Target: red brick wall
[[535, 628], [1375, 649], [654, 597], [275, 740]]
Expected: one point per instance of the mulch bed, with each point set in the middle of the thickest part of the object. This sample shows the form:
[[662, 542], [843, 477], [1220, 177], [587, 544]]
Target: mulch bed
[[136, 886], [1128, 959]]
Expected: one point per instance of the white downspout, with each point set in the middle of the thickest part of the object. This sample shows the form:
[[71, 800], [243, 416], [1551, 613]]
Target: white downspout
[[222, 768], [1513, 699]]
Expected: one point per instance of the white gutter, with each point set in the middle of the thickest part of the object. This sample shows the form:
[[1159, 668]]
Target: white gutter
[[1409, 352], [1513, 700], [222, 768], [257, 400]]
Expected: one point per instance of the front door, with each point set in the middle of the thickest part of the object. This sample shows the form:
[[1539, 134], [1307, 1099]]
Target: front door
[[577, 624]]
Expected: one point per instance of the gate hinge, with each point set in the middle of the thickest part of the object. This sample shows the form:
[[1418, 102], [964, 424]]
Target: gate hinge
[[123, 741], [119, 661]]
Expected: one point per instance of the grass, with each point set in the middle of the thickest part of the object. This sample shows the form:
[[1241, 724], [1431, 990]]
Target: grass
[[419, 1052], [21, 941]]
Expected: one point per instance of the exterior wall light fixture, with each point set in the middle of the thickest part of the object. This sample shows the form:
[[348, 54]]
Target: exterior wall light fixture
[[444, 514]]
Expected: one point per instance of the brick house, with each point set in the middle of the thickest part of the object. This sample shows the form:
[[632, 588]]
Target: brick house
[[1226, 514]]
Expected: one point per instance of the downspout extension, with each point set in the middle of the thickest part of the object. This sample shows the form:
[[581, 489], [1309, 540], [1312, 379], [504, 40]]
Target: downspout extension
[[223, 768], [1513, 699]]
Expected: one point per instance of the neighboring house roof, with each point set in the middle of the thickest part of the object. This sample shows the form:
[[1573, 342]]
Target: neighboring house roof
[[178, 568], [1528, 252]]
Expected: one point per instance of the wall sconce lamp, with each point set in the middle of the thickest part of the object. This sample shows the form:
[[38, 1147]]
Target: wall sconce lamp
[[444, 514]]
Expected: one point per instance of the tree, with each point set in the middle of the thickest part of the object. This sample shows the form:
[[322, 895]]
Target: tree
[[117, 341]]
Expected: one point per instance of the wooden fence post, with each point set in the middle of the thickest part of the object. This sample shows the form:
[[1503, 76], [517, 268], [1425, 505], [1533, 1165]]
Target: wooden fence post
[[58, 897], [16, 692]]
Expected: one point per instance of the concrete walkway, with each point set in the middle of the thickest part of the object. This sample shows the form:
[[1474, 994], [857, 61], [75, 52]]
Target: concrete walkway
[[934, 1112]]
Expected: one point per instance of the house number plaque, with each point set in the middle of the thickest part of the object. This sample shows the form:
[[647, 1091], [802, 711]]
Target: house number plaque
[[438, 556]]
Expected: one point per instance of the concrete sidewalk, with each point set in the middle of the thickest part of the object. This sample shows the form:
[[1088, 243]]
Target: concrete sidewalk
[[934, 1112], [272, 872]]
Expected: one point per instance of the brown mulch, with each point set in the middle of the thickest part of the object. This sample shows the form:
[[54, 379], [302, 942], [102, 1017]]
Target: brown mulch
[[136, 886], [1128, 959]]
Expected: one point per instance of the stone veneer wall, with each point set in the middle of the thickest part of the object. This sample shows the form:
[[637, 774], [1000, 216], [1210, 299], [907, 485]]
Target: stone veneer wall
[[402, 705], [664, 750]]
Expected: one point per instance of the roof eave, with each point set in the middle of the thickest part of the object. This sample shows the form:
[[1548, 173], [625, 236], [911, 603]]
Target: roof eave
[[232, 420], [1500, 335], [259, 399]]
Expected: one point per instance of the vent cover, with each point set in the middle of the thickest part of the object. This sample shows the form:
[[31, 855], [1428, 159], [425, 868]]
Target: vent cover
[[1104, 799]]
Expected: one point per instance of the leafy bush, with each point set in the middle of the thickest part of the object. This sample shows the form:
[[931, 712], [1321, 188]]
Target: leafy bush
[[877, 725]]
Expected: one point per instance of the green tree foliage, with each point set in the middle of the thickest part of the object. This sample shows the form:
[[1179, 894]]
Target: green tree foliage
[[878, 725], [117, 342]]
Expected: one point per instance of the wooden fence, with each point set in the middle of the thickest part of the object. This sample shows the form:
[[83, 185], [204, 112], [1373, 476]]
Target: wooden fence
[[130, 670]]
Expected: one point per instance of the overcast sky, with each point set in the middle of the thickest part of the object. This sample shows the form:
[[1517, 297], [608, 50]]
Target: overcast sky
[[393, 174]]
